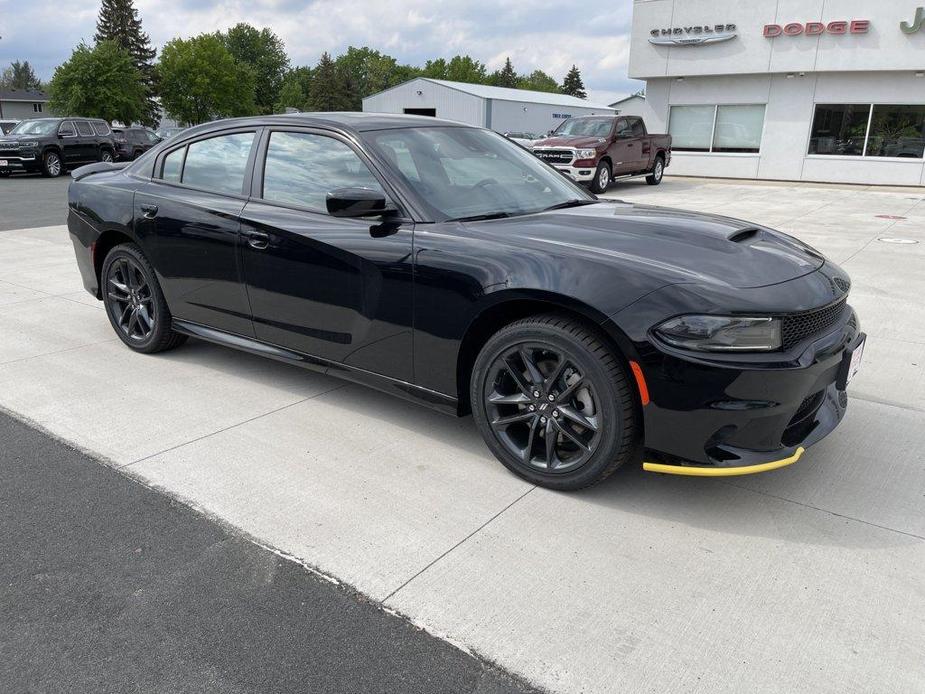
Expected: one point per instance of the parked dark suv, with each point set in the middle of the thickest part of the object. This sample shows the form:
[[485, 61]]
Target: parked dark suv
[[133, 142], [53, 145]]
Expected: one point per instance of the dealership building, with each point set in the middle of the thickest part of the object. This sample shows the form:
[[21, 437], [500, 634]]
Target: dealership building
[[803, 90], [499, 108]]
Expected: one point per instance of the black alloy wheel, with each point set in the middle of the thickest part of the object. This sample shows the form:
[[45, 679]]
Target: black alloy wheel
[[553, 403], [134, 302]]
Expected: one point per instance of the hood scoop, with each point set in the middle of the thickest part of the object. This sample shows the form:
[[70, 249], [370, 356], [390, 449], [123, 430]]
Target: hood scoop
[[744, 235]]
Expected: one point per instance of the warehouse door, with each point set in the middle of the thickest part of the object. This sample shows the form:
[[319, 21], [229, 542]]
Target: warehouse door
[[422, 111]]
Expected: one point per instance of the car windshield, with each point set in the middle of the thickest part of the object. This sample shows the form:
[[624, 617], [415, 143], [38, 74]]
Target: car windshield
[[35, 127], [591, 127], [463, 173]]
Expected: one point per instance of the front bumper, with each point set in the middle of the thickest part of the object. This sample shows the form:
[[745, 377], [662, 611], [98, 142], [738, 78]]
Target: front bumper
[[582, 174], [19, 162], [722, 416]]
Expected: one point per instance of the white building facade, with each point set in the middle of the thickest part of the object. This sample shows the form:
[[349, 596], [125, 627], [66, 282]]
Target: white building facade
[[800, 90], [501, 109]]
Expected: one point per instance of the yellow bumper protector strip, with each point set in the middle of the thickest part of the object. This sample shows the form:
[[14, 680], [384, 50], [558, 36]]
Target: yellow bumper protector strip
[[723, 471]]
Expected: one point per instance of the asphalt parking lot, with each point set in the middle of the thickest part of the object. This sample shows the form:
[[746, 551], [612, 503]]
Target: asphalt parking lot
[[805, 579]]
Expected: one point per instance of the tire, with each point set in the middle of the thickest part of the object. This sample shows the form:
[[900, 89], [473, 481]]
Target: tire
[[602, 177], [105, 155], [5, 174], [658, 170], [135, 303], [51, 164], [578, 378]]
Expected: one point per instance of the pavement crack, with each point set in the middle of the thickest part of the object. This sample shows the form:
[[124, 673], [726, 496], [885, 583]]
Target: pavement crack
[[461, 542], [825, 510], [233, 426]]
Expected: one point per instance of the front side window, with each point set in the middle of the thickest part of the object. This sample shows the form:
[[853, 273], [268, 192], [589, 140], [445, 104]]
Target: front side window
[[468, 172], [219, 163], [84, 129], [302, 168]]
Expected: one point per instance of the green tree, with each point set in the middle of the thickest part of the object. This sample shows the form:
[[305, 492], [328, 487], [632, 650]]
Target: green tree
[[200, 80], [118, 21], [98, 82], [294, 90], [265, 54], [20, 75], [506, 76], [330, 88], [462, 68], [572, 85], [435, 69], [369, 72], [538, 81]]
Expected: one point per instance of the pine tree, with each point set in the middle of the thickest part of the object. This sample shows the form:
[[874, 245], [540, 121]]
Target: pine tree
[[505, 77], [118, 21], [20, 75], [329, 87], [572, 85]]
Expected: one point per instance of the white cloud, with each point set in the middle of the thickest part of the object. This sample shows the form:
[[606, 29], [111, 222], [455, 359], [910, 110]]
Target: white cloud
[[536, 34]]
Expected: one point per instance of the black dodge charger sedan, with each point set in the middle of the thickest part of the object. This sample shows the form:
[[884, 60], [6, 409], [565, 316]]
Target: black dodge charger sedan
[[445, 264]]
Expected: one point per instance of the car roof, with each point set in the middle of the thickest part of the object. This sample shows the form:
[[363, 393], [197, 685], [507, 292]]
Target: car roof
[[349, 121]]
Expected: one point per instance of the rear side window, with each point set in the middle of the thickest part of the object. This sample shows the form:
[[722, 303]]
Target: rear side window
[[101, 128], [218, 163], [637, 127], [83, 128], [302, 168], [173, 165]]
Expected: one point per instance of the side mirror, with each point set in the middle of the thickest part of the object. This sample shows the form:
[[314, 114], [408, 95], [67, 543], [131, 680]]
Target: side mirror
[[625, 133], [357, 202]]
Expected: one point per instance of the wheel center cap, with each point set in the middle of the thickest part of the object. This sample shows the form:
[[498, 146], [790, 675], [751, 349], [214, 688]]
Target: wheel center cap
[[543, 407]]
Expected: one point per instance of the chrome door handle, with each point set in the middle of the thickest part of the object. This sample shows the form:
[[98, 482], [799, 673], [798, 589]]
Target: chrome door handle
[[148, 211], [257, 240]]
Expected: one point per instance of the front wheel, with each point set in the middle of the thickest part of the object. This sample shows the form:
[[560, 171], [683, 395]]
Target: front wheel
[[106, 155], [553, 403], [602, 176], [51, 164], [135, 303], [658, 170]]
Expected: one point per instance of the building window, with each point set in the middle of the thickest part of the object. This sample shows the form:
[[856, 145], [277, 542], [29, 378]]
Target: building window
[[36, 108], [729, 128], [870, 130]]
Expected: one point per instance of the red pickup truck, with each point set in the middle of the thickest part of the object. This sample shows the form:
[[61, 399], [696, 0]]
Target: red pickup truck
[[597, 149]]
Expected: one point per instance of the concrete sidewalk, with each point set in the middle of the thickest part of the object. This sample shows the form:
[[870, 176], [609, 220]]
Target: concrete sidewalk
[[806, 579]]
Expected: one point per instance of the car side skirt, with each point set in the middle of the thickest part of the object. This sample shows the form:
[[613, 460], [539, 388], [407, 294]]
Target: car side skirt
[[440, 402]]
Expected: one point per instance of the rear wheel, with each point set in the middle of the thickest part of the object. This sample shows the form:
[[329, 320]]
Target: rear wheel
[[602, 177], [135, 303], [51, 164], [658, 170], [553, 403]]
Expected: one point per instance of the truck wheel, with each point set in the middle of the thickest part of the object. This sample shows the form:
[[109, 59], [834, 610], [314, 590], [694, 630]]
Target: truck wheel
[[601, 179], [658, 170], [51, 165]]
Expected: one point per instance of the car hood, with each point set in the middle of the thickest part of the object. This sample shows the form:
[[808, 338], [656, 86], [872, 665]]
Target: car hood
[[9, 139], [676, 245], [570, 141]]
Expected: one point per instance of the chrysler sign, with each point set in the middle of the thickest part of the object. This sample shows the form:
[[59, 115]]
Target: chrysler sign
[[692, 35]]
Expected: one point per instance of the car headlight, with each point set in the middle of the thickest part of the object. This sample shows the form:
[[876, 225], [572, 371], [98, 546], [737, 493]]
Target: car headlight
[[585, 154], [722, 333]]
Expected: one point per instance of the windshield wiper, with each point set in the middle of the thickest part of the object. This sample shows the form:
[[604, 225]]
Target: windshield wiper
[[569, 203], [480, 217]]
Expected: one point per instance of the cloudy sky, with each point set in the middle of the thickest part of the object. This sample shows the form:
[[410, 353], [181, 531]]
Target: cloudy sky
[[593, 34]]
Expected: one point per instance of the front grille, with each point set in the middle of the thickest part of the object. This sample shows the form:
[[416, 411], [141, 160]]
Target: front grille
[[554, 156], [799, 326]]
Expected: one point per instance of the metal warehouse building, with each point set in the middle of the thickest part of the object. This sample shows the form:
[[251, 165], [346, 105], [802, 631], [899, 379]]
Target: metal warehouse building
[[786, 89], [498, 108]]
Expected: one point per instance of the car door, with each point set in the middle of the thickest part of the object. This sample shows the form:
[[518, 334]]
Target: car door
[[624, 149], [70, 142], [335, 288], [188, 221], [87, 142], [640, 141]]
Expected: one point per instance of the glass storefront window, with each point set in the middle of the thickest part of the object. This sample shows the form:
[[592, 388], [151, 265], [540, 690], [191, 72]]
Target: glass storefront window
[[691, 128], [897, 131], [839, 129], [738, 128], [735, 128]]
